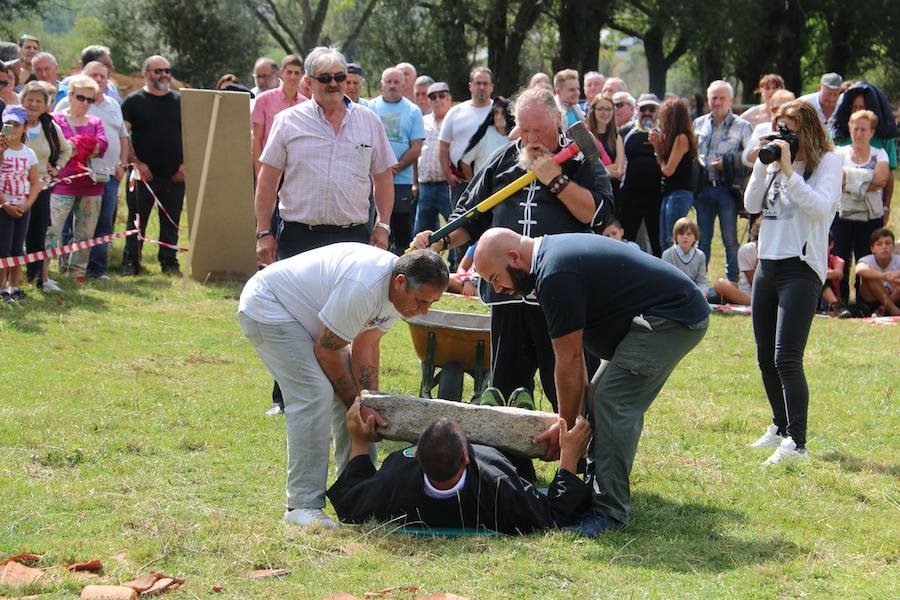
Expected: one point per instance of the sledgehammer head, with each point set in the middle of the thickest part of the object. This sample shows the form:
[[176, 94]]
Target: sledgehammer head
[[584, 139]]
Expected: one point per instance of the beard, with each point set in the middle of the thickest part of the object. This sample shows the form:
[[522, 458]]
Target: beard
[[161, 85], [526, 158], [522, 281]]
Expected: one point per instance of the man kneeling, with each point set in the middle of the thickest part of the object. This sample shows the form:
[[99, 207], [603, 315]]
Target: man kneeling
[[445, 482]]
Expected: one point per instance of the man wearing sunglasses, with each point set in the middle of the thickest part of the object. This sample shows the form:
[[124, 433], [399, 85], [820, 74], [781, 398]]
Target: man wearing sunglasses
[[326, 149], [153, 116]]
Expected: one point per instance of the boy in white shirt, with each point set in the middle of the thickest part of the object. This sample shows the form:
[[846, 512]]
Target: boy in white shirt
[[879, 274]]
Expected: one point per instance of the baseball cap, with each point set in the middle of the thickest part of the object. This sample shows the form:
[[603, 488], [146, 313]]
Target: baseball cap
[[438, 86], [9, 54], [647, 99], [354, 69], [15, 113], [832, 81]]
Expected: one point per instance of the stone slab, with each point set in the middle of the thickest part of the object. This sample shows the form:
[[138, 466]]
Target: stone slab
[[507, 428]]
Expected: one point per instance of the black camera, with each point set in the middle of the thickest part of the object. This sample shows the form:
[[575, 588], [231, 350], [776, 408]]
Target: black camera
[[770, 152]]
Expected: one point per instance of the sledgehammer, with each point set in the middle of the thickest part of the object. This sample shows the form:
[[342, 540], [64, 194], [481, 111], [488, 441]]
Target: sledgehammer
[[584, 142]]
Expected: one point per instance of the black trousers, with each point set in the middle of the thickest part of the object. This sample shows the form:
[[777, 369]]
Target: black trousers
[[785, 295], [171, 196], [37, 232], [402, 218], [634, 208], [851, 238], [295, 238], [521, 345]]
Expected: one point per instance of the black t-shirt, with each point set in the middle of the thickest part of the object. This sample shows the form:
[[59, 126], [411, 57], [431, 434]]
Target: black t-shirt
[[642, 173], [155, 130], [599, 284], [681, 178]]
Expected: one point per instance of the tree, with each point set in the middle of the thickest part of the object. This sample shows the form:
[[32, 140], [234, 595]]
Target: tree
[[579, 24], [665, 28], [297, 26], [506, 31]]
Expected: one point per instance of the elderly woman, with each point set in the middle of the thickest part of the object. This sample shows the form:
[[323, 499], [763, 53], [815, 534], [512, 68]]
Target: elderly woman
[[862, 207], [80, 189], [762, 113], [52, 149]]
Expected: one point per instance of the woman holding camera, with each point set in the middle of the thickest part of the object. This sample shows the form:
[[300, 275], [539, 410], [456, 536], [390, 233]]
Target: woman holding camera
[[796, 185]]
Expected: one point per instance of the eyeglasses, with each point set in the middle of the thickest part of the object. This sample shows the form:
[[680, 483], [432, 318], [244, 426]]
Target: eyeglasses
[[87, 99], [620, 104], [161, 70], [603, 109], [437, 95], [326, 78]]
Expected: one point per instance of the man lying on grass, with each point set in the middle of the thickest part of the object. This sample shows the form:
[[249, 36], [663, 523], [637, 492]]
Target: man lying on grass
[[446, 482]]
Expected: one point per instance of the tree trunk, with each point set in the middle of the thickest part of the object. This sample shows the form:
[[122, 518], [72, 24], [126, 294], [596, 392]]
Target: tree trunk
[[579, 24], [840, 34], [505, 48], [656, 60], [453, 36]]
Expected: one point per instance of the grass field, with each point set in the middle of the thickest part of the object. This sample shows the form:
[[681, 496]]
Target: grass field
[[132, 431]]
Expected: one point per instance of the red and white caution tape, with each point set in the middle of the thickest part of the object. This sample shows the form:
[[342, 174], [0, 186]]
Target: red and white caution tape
[[15, 261]]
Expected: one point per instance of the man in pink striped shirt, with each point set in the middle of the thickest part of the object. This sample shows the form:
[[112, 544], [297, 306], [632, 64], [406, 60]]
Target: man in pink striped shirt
[[271, 102]]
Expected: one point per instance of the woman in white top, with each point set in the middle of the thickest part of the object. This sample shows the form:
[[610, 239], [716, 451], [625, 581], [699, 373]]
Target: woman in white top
[[861, 209], [492, 134], [797, 196]]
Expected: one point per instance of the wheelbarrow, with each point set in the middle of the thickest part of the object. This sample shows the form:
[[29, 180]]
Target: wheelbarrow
[[456, 343]]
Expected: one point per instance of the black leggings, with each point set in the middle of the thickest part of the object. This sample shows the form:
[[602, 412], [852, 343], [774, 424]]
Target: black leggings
[[784, 299], [37, 232]]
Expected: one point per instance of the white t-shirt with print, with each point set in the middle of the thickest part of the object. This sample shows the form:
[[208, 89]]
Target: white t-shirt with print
[[14, 184], [341, 286], [747, 259], [894, 265]]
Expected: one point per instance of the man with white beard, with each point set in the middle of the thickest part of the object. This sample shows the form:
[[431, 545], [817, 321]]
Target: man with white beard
[[570, 198]]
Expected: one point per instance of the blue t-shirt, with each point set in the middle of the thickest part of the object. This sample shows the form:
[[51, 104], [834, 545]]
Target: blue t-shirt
[[599, 285], [402, 122]]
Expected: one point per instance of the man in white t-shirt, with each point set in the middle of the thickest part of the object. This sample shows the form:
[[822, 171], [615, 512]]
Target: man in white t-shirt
[[879, 274], [459, 125], [316, 320]]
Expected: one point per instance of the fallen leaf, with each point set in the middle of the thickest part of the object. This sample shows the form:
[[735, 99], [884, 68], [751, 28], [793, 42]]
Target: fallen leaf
[[91, 565], [216, 588], [13, 573], [263, 573], [20, 558]]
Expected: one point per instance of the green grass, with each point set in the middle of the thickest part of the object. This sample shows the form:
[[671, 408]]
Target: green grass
[[132, 430]]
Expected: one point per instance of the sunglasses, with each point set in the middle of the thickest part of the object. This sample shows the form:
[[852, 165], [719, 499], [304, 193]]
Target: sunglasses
[[621, 104], [87, 99], [437, 95], [326, 78], [647, 109], [161, 70]]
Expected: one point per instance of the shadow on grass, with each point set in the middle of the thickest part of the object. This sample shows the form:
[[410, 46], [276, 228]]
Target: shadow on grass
[[848, 462], [688, 538], [31, 315]]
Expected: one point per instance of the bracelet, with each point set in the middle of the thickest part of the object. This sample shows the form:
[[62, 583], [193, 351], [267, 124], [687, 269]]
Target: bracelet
[[558, 184], [446, 240]]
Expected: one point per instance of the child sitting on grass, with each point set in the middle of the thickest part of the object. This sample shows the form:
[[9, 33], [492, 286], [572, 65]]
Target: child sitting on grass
[[879, 274], [831, 290], [615, 231], [685, 255], [19, 188], [734, 293]]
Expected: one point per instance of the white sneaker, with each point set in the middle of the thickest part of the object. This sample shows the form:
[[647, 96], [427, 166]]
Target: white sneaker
[[770, 439], [786, 451], [303, 517], [50, 286]]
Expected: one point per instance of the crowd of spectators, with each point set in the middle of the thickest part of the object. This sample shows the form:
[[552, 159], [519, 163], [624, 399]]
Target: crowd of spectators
[[668, 159]]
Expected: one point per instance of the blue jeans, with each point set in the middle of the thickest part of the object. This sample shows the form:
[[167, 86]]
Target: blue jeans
[[108, 203], [712, 202], [434, 198], [674, 206]]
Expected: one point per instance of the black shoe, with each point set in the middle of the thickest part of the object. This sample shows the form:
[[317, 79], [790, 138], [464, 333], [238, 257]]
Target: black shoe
[[130, 269], [170, 268]]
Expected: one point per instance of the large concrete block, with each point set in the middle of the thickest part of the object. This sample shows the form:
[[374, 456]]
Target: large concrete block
[[506, 428]]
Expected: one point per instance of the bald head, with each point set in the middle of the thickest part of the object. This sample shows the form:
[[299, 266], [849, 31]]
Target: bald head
[[503, 259]]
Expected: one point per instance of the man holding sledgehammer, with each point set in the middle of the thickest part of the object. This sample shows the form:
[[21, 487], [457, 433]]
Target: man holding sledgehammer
[[572, 197]]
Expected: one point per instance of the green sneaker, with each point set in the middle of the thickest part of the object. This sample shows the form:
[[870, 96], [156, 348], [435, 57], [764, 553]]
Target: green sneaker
[[491, 397], [521, 398]]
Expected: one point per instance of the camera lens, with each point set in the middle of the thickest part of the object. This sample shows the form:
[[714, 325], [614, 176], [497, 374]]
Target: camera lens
[[769, 154]]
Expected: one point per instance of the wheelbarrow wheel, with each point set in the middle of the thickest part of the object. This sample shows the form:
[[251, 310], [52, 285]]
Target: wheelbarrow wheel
[[450, 386]]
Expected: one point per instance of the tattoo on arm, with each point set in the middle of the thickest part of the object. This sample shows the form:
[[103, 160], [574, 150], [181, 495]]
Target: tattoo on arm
[[368, 377], [329, 341], [343, 387]]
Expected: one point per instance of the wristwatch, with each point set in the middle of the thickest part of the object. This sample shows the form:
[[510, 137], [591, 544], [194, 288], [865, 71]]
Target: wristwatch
[[263, 234], [384, 226]]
